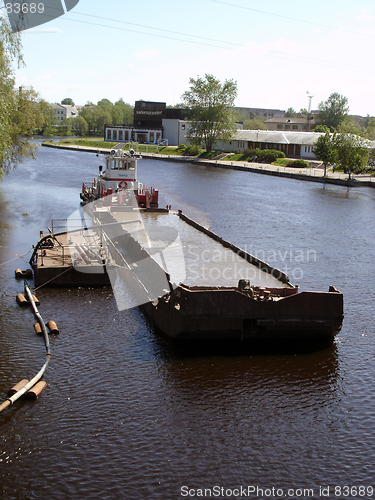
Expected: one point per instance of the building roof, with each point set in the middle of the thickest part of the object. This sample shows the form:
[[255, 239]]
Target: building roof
[[277, 137], [56, 105], [289, 120]]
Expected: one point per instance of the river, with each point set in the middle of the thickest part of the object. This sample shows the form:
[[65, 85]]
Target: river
[[128, 414]]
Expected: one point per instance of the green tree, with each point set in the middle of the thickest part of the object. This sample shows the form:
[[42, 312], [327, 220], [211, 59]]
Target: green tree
[[87, 112], [321, 128], [96, 117], [122, 113], [303, 113], [352, 152], [370, 130], [22, 112], [78, 124], [290, 113], [105, 104], [333, 111], [255, 123], [102, 117], [179, 105], [68, 101], [349, 126], [325, 150], [209, 103]]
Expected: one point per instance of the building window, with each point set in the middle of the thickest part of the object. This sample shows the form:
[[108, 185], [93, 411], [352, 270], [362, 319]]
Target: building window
[[120, 135], [152, 136], [183, 126], [287, 127], [279, 126], [114, 136], [295, 127], [108, 134]]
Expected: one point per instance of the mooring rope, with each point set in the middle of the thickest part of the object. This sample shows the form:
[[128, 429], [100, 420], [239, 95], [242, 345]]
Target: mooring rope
[[15, 258], [49, 281]]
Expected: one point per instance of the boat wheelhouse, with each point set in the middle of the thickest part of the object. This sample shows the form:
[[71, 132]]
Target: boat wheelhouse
[[118, 181]]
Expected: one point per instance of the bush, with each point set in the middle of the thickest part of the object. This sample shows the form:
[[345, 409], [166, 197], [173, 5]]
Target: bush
[[298, 163], [208, 155], [193, 150], [266, 155], [271, 155], [181, 148]]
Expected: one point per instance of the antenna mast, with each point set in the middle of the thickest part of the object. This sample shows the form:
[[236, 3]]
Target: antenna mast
[[310, 96]]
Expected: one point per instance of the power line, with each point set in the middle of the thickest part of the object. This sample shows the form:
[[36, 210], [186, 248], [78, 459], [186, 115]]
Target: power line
[[291, 18], [226, 45], [242, 48], [158, 29]]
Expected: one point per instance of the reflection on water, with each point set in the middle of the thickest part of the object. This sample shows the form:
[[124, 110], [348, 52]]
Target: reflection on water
[[130, 414]]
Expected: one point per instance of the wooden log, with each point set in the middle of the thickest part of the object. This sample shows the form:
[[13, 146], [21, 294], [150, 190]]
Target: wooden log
[[17, 387], [21, 300], [23, 274], [34, 393], [18, 273], [37, 328], [52, 327], [36, 300]]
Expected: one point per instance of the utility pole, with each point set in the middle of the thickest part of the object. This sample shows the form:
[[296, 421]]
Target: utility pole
[[309, 117]]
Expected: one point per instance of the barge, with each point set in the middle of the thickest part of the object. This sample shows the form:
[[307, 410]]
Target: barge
[[147, 259], [267, 306]]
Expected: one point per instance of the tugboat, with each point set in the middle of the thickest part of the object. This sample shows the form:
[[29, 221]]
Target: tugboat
[[118, 181]]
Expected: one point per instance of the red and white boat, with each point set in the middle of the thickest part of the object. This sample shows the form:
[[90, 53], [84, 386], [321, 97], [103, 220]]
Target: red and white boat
[[117, 183]]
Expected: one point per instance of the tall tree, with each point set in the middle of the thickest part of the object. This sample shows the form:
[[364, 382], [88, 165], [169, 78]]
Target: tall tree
[[209, 104], [303, 113], [290, 113], [333, 111], [352, 152], [325, 150], [122, 113], [256, 123], [68, 101], [22, 112], [370, 130]]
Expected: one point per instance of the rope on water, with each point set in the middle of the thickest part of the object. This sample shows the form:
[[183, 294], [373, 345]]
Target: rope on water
[[15, 258]]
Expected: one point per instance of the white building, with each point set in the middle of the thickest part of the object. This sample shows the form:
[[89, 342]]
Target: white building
[[65, 110], [293, 144], [122, 133], [175, 131]]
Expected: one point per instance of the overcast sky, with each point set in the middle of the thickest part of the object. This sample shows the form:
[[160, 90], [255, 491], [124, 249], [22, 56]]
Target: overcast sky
[[276, 51]]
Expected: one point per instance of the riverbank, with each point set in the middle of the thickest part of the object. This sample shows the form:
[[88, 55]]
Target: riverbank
[[303, 174]]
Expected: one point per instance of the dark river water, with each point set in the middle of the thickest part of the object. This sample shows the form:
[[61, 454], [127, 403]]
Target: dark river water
[[128, 414]]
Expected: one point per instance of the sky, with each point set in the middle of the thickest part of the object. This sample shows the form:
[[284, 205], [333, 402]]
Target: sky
[[276, 51]]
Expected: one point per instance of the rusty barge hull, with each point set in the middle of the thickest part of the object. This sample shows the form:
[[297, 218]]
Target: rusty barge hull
[[237, 312], [230, 313]]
